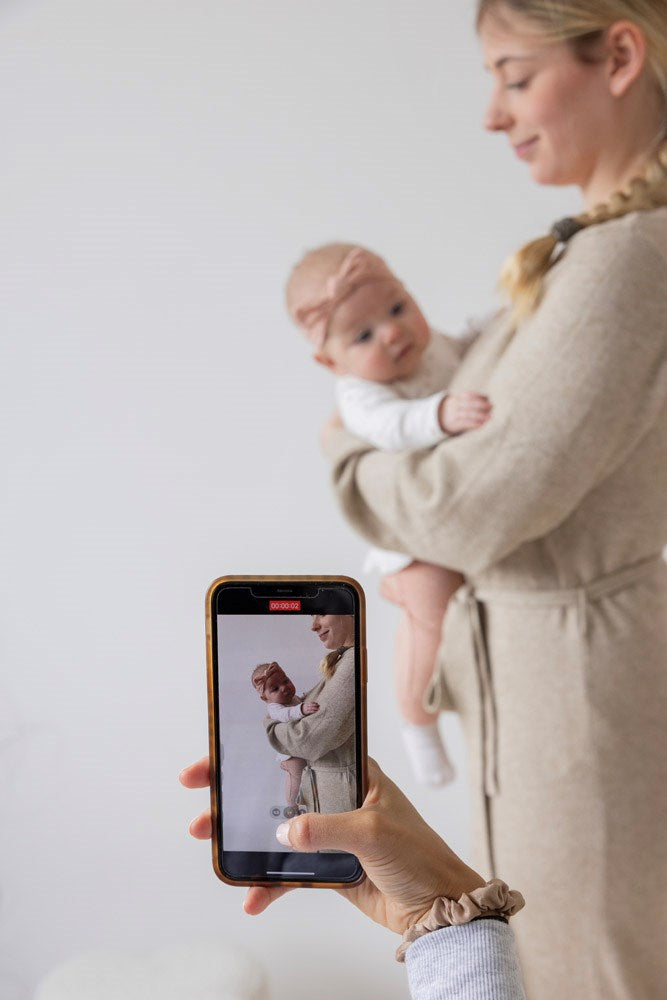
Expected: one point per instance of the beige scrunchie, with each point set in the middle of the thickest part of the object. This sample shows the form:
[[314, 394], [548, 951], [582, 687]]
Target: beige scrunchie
[[495, 899]]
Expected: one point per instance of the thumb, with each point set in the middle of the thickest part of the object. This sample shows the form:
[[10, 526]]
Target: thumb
[[321, 831]]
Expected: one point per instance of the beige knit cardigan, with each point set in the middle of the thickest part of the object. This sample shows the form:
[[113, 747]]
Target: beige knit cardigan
[[555, 651]]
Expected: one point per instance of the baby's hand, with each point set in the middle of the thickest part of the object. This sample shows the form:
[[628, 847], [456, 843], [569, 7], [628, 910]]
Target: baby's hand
[[463, 411], [309, 708]]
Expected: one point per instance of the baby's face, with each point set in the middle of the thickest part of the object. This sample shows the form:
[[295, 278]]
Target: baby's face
[[278, 688], [378, 333]]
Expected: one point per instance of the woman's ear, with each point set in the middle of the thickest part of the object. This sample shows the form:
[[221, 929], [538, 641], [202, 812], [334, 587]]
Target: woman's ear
[[626, 55]]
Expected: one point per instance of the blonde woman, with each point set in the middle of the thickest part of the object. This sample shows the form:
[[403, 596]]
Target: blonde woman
[[555, 651], [325, 739]]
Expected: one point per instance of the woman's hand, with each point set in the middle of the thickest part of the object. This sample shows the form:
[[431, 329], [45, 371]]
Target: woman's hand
[[407, 864]]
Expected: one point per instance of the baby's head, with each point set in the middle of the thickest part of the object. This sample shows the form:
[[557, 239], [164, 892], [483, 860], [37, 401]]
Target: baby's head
[[356, 313], [273, 685]]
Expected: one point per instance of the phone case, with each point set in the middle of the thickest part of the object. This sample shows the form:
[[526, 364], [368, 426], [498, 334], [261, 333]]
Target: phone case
[[212, 735]]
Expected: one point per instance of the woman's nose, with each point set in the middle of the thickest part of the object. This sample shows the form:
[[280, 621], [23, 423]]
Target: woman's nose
[[496, 117]]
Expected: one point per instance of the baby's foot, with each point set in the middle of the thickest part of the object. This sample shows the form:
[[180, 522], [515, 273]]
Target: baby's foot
[[427, 754]]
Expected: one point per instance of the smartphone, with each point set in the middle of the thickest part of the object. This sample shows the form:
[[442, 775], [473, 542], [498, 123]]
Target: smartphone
[[286, 663]]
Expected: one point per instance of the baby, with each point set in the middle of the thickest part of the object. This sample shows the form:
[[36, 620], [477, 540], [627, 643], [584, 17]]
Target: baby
[[392, 371], [277, 690]]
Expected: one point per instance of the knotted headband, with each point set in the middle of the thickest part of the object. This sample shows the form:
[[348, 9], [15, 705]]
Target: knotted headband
[[260, 681], [359, 267]]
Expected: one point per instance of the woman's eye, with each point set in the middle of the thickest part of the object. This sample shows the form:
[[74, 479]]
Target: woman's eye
[[364, 336], [519, 85], [397, 309]]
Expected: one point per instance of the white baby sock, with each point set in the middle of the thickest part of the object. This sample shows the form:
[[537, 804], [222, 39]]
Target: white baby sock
[[427, 754]]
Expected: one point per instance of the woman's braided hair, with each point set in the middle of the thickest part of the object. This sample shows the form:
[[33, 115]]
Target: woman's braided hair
[[582, 23], [329, 663], [522, 275]]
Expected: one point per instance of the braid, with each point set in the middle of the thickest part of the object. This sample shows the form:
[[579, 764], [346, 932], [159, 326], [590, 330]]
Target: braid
[[522, 276], [330, 661]]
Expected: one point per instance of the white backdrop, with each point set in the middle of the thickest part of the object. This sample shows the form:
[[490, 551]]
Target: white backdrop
[[163, 165]]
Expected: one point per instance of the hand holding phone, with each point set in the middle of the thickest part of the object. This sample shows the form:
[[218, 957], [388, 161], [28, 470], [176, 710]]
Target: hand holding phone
[[407, 863], [276, 753]]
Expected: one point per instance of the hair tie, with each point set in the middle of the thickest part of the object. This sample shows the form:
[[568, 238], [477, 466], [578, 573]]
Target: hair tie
[[565, 229], [494, 899]]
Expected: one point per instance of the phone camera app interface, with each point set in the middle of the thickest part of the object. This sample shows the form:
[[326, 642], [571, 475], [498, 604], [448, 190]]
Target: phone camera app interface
[[287, 716]]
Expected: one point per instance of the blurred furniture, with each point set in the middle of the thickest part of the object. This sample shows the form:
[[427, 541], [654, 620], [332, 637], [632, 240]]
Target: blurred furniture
[[201, 971]]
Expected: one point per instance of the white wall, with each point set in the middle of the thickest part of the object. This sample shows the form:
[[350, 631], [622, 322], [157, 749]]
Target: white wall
[[163, 165]]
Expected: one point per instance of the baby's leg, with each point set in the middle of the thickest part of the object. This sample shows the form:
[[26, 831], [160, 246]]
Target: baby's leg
[[294, 767], [422, 590]]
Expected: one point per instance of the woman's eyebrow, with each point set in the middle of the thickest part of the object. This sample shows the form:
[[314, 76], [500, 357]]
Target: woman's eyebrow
[[499, 63]]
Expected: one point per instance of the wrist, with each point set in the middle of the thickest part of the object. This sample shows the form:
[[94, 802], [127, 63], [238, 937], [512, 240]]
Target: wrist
[[493, 899], [442, 420], [466, 882]]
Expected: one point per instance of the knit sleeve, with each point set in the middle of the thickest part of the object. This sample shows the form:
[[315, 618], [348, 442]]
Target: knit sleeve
[[574, 393], [475, 961]]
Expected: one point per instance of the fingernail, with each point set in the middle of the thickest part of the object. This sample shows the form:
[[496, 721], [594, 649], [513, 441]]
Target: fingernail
[[282, 834]]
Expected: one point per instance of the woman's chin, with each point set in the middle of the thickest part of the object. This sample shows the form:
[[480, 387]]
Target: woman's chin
[[547, 175], [540, 175]]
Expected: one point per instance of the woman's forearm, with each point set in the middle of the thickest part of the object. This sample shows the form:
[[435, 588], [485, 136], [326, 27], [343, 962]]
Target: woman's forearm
[[312, 737]]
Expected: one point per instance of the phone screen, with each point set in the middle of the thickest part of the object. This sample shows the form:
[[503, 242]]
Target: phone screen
[[288, 695]]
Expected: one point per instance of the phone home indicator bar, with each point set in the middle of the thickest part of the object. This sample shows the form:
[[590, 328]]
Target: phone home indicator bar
[[290, 873]]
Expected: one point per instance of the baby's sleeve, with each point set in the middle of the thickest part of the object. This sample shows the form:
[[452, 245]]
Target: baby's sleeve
[[372, 411], [285, 713]]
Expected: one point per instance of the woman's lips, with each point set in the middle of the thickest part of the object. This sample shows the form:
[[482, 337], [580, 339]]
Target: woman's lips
[[322, 635], [523, 149]]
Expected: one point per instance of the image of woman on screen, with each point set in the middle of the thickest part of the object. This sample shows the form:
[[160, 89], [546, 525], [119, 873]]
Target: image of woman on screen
[[326, 739]]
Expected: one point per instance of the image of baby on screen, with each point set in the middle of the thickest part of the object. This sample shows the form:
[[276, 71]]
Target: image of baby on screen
[[278, 692]]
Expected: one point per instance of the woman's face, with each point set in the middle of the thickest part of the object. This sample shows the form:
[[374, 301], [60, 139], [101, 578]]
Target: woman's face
[[334, 631], [555, 110]]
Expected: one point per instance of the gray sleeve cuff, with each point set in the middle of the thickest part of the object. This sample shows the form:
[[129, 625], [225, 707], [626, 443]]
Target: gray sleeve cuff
[[475, 961]]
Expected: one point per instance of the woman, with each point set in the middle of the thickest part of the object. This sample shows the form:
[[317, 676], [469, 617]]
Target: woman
[[326, 739], [554, 652]]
